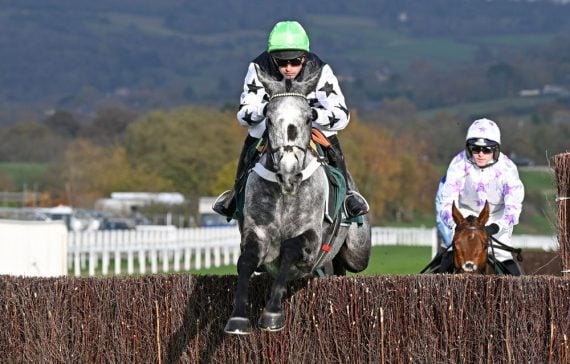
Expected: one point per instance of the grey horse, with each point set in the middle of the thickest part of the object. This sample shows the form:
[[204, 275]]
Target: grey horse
[[283, 228]]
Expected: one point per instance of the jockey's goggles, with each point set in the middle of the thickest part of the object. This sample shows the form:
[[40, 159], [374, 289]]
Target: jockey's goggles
[[475, 149], [295, 62]]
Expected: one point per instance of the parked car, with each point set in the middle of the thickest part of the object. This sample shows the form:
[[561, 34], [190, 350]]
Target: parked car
[[115, 223]]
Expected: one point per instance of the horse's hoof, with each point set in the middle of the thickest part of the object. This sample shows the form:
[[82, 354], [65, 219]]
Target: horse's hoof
[[272, 321], [238, 326]]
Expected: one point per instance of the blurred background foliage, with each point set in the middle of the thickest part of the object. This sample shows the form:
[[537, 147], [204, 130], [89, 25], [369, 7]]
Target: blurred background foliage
[[108, 96], [194, 150]]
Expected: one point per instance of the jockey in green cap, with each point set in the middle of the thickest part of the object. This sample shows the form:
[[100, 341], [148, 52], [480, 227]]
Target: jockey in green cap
[[288, 56]]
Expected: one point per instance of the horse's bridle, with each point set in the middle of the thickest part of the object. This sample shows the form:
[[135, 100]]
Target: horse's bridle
[[459, 228], [490, 240], [272, 151]]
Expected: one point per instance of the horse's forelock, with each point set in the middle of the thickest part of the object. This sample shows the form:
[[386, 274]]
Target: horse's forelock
[[471, 219]]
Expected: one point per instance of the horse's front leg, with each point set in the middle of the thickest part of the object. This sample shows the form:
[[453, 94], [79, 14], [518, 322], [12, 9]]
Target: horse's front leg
[[292, 251], [248, 261]]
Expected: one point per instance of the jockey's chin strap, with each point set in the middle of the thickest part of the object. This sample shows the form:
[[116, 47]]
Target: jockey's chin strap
[[268, 175]]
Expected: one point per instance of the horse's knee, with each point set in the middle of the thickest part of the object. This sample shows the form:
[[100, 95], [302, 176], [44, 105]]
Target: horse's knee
[[249, 258]]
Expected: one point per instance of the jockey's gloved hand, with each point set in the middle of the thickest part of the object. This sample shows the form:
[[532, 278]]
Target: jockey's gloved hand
[[492, 229]]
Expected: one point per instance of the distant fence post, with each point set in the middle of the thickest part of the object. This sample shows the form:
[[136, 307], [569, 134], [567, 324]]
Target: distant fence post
[[562, 171]]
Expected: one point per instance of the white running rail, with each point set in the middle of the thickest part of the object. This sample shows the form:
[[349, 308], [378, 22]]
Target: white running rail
[[168, 249]]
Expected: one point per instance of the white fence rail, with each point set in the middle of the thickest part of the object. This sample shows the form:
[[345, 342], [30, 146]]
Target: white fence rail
[[33, 248], [170, 249], [167, 250], [153, 249]]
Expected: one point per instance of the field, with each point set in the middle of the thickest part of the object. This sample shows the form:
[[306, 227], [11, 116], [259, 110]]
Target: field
[[385, 260], [409, 260], [23, 174]]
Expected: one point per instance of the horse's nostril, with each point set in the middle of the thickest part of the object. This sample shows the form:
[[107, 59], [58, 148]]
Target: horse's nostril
[[469, 267]]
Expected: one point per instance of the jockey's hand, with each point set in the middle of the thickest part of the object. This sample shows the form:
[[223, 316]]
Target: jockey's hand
[[492, 229]]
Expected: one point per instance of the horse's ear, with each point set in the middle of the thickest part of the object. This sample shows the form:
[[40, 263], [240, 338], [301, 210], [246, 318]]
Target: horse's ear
[[308, 85], [457, 216], [271, 85], [484, 214]]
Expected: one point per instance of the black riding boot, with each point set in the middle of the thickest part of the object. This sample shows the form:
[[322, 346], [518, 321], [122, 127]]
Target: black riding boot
[[511, 267], [225, 204], [354, 203], [446, 264]]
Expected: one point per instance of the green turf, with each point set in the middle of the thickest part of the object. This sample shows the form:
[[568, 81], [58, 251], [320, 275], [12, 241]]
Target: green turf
[[24, 173], [384, 260]]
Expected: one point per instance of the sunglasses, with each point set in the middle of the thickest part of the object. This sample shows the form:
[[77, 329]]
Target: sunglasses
[[475, 149], [284, 62]]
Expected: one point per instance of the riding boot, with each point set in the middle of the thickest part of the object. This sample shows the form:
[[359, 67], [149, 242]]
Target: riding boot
[[354, 203], [511, 267], [446, 264], [225, 204]]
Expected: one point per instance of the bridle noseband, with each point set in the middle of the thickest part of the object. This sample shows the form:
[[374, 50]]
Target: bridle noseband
[[270, 150]]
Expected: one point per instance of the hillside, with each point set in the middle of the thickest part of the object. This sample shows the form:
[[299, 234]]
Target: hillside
[[76, 55]]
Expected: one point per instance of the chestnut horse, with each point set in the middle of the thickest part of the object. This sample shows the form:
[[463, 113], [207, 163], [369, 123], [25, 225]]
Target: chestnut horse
[[471, 242]]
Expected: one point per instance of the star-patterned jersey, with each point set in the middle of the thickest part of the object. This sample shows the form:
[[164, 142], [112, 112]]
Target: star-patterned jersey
[[470, 186], [327, 98]]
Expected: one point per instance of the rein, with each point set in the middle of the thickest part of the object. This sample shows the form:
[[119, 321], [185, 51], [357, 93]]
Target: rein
[[499, 245], [506, 247], [495, 243]]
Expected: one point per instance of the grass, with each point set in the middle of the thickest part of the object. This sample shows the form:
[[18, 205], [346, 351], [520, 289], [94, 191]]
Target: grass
[[541, 181], [384, 260], [23, 173], [490, 106]]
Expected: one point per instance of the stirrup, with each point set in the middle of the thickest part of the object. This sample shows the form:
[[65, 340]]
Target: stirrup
[[354, 211], [222, 203]]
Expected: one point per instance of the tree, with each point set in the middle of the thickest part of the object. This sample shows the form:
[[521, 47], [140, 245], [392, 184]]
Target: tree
[[30, 142], [187, 147], [89, 172], [63, 123], [390, 171], [110, 125]]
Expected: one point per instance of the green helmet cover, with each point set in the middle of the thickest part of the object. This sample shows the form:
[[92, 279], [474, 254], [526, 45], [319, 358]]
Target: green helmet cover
[[288, 35]]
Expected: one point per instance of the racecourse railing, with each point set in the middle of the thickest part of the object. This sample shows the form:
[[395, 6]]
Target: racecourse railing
[[168, 249]]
